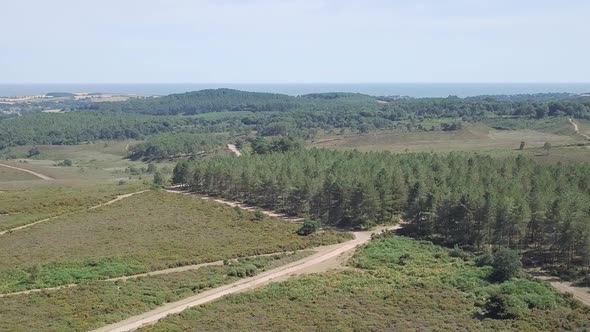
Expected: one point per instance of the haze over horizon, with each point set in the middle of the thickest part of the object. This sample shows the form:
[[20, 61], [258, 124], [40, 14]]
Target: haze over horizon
[[295, 41]]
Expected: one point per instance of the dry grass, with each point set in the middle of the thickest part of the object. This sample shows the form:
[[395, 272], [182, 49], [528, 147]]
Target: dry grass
[[9, 175], [476, 138], [99, 303], [20, 207], [151, 231], [399, 285]]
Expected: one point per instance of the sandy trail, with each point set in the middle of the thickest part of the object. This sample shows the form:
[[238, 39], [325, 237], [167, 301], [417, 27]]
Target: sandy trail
[[577, 130], [177, 190], [581, 294], [234, 149], [39, 175], [120, 197], [305, 265]]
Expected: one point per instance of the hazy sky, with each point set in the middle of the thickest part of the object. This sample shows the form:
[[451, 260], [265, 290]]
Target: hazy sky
[[295, 41]]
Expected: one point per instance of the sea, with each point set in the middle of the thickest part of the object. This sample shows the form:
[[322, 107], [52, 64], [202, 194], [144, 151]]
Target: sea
[[375, 89]]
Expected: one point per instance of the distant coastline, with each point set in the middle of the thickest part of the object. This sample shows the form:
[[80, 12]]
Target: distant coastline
[[375, 89]]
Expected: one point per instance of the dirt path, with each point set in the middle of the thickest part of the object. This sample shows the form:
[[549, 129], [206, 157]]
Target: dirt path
[[577, 130], [139, 275], [581, 294], [234, 204], [305, 265], [39, 175], [120, 197], [234, 149]]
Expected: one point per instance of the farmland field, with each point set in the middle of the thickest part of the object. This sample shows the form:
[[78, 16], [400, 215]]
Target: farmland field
[[397, 284], [146, 232]]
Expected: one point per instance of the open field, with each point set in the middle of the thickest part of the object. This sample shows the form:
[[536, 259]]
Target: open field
[[398, 284], [99, 155], [20, 207], [473, 137], [478, 138], [142, 233], [97, 163], [97, 303], [9, 174]]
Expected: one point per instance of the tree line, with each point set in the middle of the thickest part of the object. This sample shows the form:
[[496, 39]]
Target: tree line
[[471, 200], [393, 108], [272, 115]]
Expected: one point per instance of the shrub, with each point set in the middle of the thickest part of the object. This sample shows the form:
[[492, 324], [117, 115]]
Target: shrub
[[506, 264], [485, 259], [308, 227], [459, 253], [66, 163], [505, 306], [34, 151], [152, 168], [514, 298], [259, 215], [159, 179]]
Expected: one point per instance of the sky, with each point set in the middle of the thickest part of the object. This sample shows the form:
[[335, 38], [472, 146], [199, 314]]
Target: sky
[[294, 41]]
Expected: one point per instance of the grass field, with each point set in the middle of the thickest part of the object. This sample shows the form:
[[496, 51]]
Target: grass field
[[151, 231], [95, 163], [99, 303], [20, 207], [399, 284], [474, 137], [8, 174], [479, 137]]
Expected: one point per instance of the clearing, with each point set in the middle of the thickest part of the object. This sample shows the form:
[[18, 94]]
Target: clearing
[[473, 137]]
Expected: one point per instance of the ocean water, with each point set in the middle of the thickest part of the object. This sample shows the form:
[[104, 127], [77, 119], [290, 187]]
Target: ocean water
[[375, 89]]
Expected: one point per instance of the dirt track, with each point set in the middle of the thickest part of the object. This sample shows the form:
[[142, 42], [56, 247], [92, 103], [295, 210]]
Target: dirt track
[[120, 197], [39, 175], [581, 294], [577, 130], [234, 149], [305, 265], [236, 204], [135, 276]]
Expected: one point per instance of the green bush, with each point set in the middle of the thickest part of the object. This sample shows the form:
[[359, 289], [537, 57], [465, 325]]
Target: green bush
[[259, 215], [308, 227], [513, 299], [459, 253], [506, 306], [506, 264], [485, 259]]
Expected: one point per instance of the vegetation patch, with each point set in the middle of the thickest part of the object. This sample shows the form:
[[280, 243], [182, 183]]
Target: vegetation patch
[[146, 232], [401, 284], [95, 304], [21, 207], [9, 174]]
